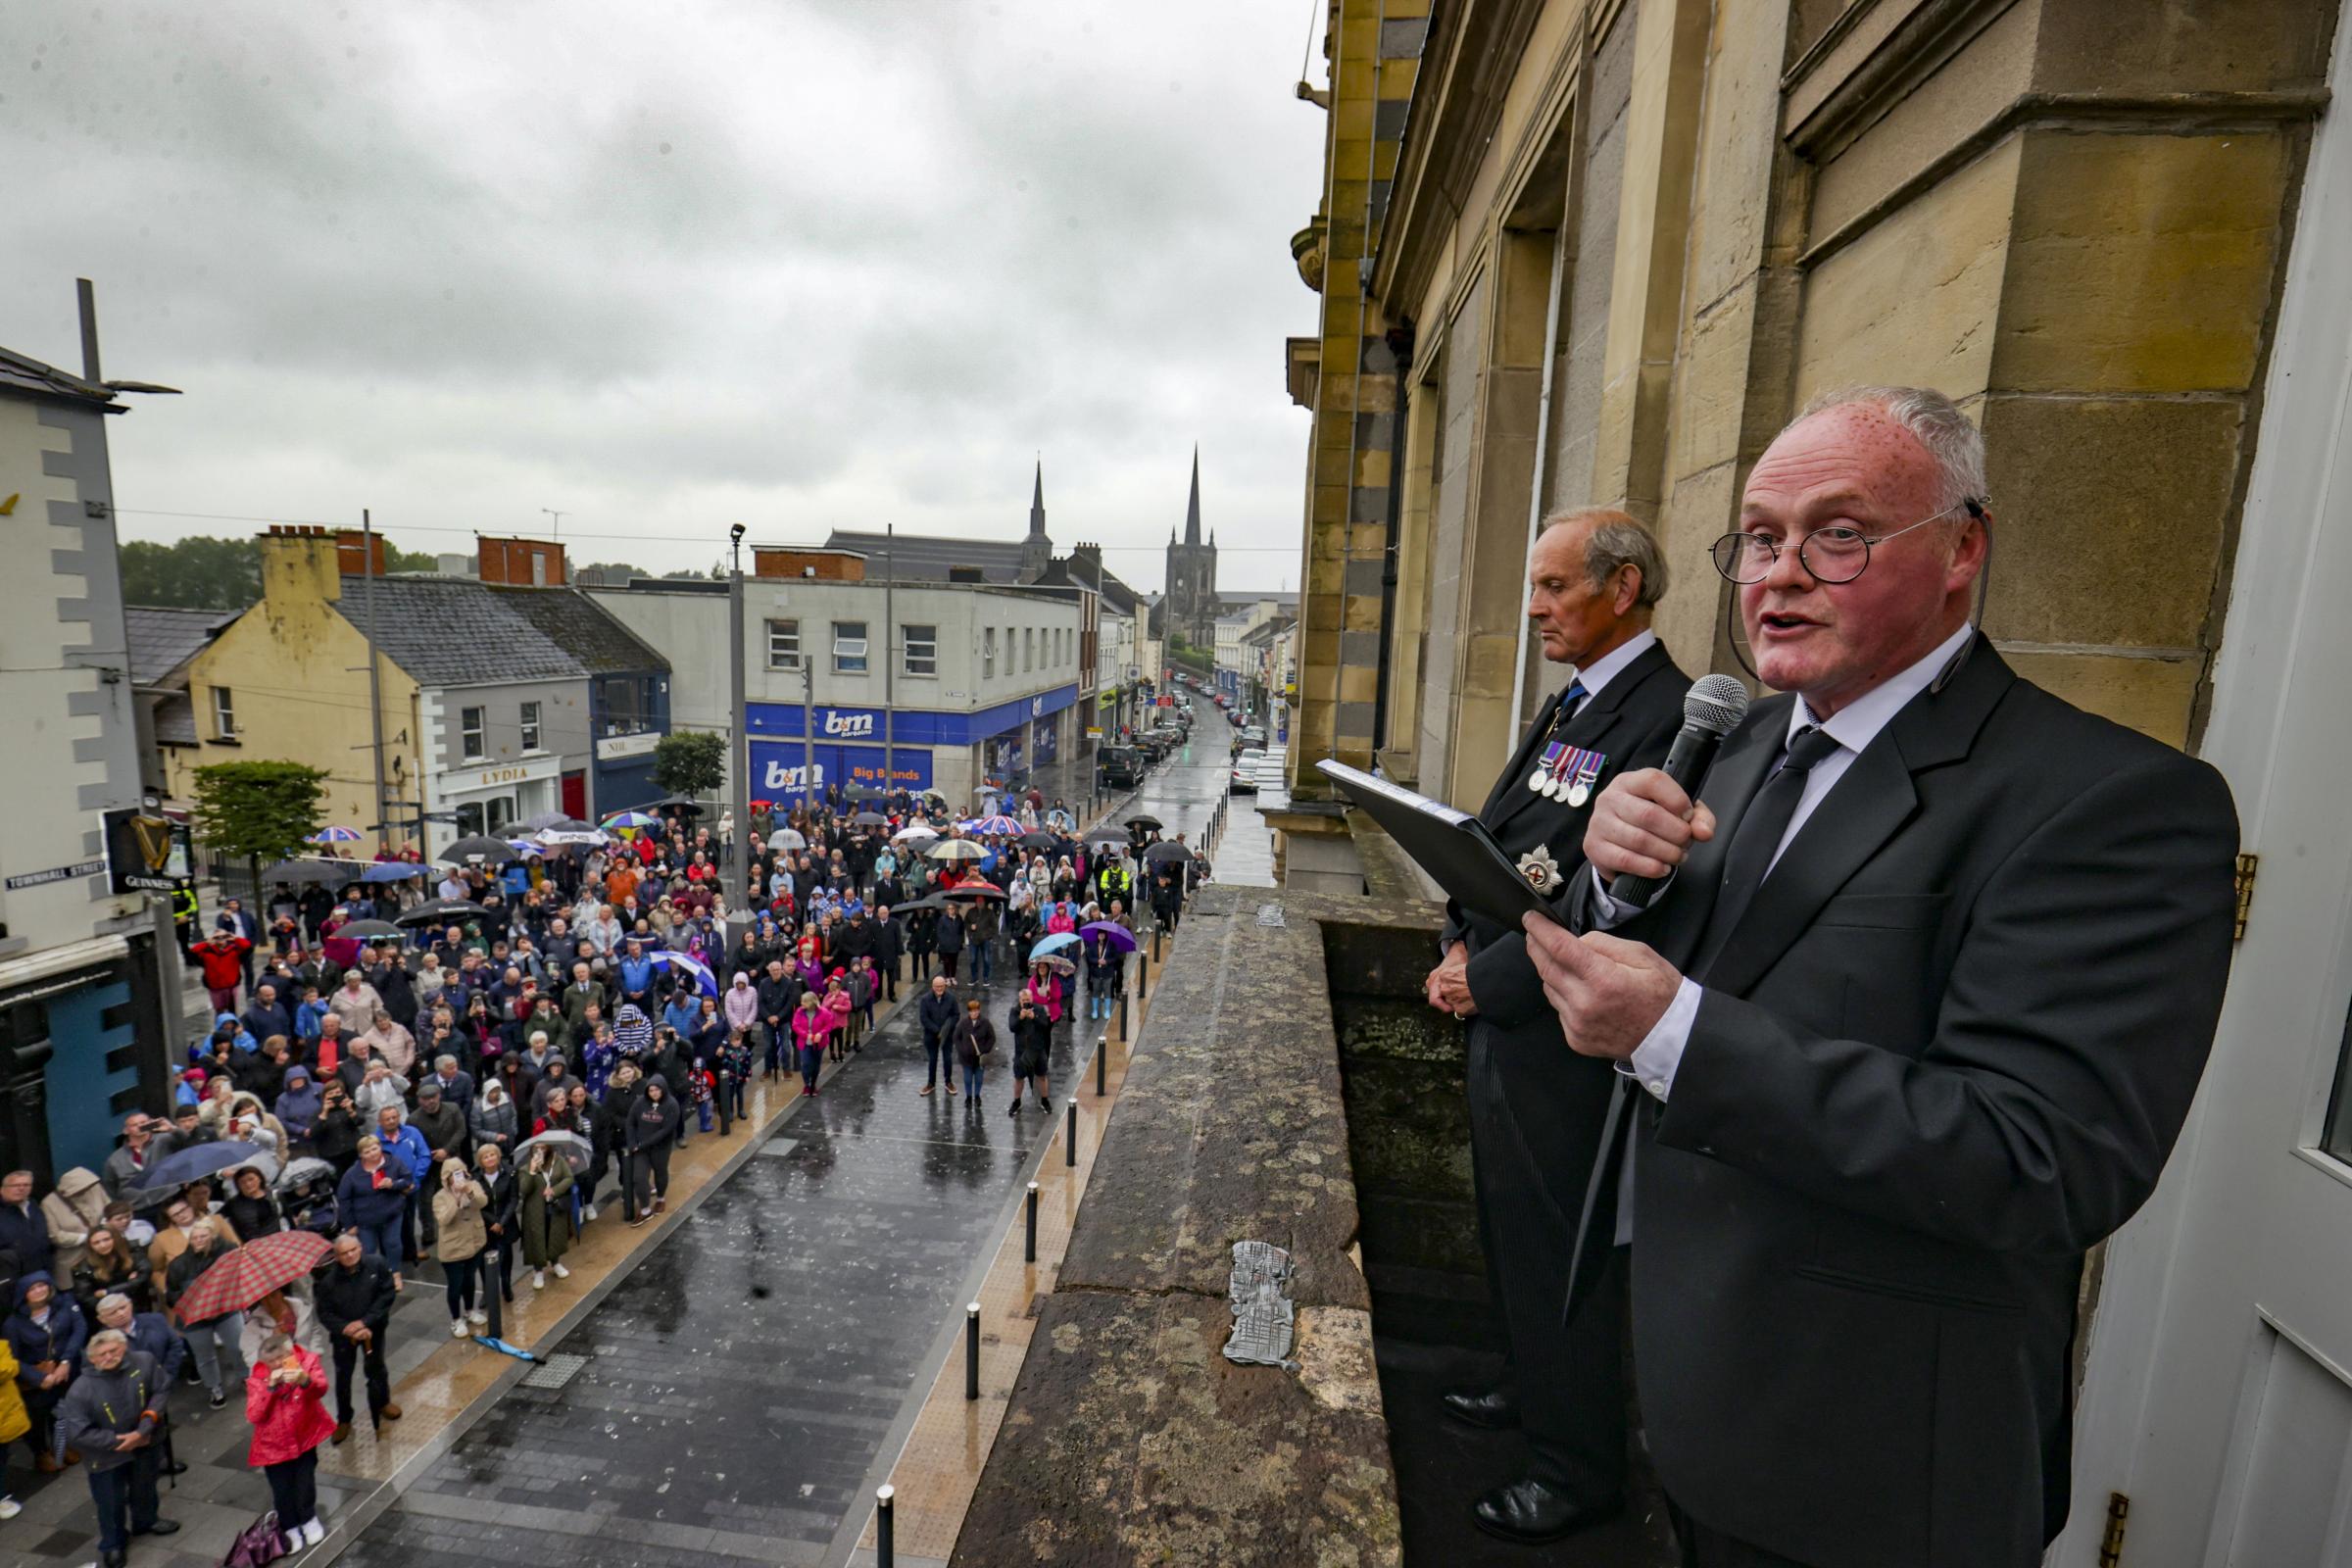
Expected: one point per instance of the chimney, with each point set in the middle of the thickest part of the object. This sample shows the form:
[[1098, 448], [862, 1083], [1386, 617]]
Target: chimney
[[299, 563], [521, 563], [352, 550]]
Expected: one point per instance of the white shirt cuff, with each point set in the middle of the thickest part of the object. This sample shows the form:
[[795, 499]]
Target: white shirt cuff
[[1660, 1053]]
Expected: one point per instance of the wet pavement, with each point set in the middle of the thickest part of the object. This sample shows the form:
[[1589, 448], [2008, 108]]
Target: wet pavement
[[746, 1382]]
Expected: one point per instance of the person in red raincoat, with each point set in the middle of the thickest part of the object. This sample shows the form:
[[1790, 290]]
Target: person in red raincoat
[[285, 1399]]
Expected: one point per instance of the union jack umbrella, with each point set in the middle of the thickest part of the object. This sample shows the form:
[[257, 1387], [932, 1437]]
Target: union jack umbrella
[[245, 1274]]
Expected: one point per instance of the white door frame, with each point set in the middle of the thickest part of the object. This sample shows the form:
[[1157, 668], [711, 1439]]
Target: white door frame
[[2195, 1284]]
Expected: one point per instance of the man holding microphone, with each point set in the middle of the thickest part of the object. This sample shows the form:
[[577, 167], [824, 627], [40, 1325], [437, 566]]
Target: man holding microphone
[[1913, 1022], [1537, 1111]]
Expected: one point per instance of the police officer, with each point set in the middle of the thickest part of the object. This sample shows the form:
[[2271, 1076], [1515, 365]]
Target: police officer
[[1535, 1108]]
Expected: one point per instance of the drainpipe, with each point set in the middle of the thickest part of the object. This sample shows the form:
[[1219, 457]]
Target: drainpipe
[[1401, 345]]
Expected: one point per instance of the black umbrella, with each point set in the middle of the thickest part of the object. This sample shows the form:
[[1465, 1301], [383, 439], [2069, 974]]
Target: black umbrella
[[1036, 840], [1106, 834], [370, 931], [678, 802], [326, 873], [1167, 854], [479, 846], [1149, 824], [871, 819], [929, 901], [441, 911]]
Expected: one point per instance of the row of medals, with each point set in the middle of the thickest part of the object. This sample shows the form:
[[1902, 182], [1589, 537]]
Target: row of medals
[[1550, 777]]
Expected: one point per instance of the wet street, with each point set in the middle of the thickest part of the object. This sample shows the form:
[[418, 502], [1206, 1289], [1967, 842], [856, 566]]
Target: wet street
[[741, 1389]]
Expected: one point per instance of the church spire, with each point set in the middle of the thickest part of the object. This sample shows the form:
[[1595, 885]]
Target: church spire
[[1036, 499], [1191, 512]]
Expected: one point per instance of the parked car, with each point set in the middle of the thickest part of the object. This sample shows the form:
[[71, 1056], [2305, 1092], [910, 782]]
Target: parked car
[[1244, 780], [1119, 766]]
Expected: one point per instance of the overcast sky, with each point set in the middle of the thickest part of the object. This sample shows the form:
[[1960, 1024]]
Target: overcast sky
[[799, 263]]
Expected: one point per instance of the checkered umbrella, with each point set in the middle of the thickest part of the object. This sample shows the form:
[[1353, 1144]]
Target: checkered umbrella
[[245, 1274], [334, 835]]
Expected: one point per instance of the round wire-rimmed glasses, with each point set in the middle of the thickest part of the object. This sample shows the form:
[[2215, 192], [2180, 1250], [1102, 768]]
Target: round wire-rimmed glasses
[[1827, 555]]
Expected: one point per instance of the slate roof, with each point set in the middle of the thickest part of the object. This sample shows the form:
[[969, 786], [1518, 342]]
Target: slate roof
[[454, 631], [585, 629], [926, 557], [161, 638], [24, 374]]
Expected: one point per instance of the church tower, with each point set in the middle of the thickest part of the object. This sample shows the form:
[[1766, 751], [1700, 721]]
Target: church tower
[[1192, 574], [1037, 550]]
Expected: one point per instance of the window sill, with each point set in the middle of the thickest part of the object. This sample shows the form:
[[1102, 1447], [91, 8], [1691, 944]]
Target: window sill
[[224, 740]]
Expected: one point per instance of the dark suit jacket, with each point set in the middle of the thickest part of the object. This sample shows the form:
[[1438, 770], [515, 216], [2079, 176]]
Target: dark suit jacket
[[1946, 1048]]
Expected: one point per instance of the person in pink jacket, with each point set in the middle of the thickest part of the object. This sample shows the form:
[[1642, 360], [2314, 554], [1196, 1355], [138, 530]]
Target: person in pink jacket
[[1044, 991], [811, 1022], [838, 1006], [285, 1399], [742, 1003]]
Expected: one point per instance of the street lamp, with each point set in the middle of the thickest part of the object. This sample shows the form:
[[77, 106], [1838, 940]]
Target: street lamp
[[739, 776]]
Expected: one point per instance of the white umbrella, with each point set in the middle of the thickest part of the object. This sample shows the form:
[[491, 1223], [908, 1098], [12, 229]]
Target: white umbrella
[[914, 831], [575, 1150], [787, 838], [957, 849]]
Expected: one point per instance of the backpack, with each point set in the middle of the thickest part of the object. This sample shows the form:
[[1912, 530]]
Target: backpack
[[257, 1544]]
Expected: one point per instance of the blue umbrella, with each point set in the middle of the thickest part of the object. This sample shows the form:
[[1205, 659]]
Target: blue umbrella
[[186, 1165], [392, 872], [1053, 944], [705, 981], [334, 835], [1110, 931]]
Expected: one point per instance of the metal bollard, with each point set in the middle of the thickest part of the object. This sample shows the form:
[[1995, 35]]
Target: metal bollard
[[1122, 1017], [1029, 1247], [1155, 944], [1101, 1066], [885, 1531], [1069, 1145], [1142, 979], [971, 1351]]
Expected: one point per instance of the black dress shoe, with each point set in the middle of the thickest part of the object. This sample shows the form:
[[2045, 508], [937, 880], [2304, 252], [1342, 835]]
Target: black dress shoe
[[177, 1467], [114, 1559], [1492, 1409], [1531, 1512], [162, 1527]]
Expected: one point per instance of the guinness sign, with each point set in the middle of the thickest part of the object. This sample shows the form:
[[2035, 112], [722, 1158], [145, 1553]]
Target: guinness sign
[[144, 852]]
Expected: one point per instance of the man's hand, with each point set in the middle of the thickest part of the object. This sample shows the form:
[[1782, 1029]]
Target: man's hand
[[354, 1331], [129, 1441], [1643, 823], [1608, 991], [1449, 984]]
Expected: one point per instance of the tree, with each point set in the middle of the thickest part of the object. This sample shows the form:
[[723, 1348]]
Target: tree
[[199, 574], [690, 763], [261, 811]]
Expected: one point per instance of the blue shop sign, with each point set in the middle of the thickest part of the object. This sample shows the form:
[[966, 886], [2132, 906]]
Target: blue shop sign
[[776, 766], [906, 727]]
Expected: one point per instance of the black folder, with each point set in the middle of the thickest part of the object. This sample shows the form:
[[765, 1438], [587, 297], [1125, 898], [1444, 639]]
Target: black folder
[[1453, 847]]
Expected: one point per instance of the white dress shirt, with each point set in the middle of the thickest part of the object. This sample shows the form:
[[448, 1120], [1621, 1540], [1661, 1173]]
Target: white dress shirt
[[1853, 727], [1609, 665]]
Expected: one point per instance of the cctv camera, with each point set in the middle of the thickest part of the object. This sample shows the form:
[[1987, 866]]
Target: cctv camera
[[735, 535]]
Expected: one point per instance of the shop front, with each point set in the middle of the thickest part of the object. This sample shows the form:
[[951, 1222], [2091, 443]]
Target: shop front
[[491, 800], [913, 748]]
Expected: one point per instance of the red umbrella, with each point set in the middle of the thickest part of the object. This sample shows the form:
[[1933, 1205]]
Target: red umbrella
[[245, 1274]]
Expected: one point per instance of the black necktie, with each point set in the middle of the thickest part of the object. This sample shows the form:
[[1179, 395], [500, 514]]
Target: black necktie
[[1760, 831]]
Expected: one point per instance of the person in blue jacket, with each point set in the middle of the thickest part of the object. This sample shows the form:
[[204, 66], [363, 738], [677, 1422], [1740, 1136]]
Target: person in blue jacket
[[46, 1333], [373, 1200]]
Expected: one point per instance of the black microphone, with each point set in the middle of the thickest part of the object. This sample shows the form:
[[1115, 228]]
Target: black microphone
[[1712, 709]]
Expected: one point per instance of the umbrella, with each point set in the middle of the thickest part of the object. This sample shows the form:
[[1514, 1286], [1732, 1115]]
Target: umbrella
[[245, 1274], [1167, 854], [1149, 824], [525, 847], [761, 805], [323, 872], [1036, 840], [1106, 834], [441, 911], [175, 1170], [912, 831], [477, 847], [703, 979], [392, 872], [574, 1148], [957, 849], [972, 890], [787, 838], [1048, 945], [515, 1350], [1052, 960], [678, 802], [541, 821], [583, 834], [330, 834], [630, 821], [1000, 824], [370, 931], [1110, 931], [929, 901], [871, 819]]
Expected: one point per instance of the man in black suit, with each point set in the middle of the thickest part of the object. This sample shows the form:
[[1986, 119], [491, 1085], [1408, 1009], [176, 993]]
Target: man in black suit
[[1915, 1023], [1535, 1110]]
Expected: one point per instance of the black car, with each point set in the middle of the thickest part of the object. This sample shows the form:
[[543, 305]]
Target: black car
[[1119, 766]]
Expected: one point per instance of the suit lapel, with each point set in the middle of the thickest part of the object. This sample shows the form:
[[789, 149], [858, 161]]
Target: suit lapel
[[1868, 805], [1587, 728], [1511, 788]]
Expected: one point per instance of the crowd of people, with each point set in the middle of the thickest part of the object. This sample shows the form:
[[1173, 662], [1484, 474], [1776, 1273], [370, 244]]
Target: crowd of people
[[461, 1092]]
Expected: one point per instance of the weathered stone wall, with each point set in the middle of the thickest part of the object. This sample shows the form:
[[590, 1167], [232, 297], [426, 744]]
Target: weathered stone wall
[[1129, 1437]]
